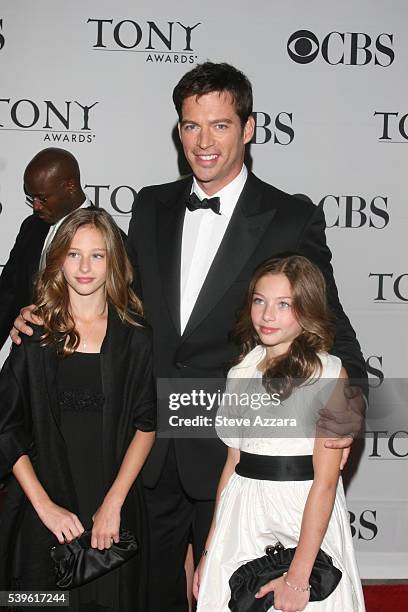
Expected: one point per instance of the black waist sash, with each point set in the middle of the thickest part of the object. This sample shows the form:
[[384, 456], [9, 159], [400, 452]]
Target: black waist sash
[[264, 467]]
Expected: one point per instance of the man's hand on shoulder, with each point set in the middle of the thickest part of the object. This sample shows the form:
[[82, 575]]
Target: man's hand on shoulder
[[20, 324], [345, 425]]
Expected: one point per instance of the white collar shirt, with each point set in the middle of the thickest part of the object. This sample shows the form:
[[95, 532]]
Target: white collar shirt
[[203, 231]]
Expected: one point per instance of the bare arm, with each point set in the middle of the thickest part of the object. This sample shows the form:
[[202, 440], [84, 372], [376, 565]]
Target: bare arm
[[65, 525], [317, 512], [316, 516], [107, 518]]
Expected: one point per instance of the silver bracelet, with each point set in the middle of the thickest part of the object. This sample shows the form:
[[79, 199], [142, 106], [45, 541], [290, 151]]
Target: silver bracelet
[[295, 588], [204, 553]]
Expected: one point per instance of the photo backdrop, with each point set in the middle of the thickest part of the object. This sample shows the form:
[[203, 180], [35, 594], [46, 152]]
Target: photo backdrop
[[330, 103]]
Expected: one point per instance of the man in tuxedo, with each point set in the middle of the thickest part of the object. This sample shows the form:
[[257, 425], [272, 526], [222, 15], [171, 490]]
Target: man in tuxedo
[[194, 244], [53, 190]]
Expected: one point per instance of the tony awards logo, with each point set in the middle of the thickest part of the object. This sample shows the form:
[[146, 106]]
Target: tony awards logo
[[165, 42], [60, 122]]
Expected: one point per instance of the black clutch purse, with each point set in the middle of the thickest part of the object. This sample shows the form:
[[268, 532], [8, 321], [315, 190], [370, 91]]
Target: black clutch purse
[[77, 563], [249, 578]]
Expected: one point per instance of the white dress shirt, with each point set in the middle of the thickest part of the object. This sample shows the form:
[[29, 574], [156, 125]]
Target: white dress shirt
[[52, 231], [203, 231]]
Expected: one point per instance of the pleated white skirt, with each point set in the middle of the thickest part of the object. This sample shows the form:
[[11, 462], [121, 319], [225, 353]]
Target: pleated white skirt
[[254, 513]]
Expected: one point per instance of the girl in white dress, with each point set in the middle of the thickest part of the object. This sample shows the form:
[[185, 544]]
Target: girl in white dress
[[286, 330]]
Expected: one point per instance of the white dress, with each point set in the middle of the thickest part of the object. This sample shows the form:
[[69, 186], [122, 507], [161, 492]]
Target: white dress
[[254, 513]]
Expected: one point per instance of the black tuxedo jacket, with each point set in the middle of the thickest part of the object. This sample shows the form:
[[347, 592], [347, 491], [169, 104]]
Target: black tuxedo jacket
[[265, 222], [16, 280]]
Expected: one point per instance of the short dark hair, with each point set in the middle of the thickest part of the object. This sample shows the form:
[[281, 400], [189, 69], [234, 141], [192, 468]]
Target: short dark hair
[[56, 160], [208, 77]]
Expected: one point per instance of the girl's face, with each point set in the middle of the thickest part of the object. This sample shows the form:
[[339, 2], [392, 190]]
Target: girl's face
[[272, 314], [84, 266]]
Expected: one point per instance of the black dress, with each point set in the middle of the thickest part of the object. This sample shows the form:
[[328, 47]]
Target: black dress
[[80, 397], [35, 419]]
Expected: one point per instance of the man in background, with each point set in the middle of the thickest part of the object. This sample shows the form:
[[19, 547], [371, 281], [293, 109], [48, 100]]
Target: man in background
[[53, 190]]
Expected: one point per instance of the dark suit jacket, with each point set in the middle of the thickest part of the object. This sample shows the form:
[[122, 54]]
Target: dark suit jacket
[[265, 222], [16, 280], [29, 424]]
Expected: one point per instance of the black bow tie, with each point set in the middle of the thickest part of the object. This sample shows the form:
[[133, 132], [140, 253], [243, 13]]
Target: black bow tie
[[194, 203]]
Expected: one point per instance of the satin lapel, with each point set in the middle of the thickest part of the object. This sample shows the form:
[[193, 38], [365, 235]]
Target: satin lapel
[[249, 222], [170, 218]]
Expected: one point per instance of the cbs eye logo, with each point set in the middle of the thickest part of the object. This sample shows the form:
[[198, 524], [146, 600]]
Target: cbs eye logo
[[345, 48], [303, 47]]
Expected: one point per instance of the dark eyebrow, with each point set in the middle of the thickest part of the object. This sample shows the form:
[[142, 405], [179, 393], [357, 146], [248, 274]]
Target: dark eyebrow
[[95, 249], [222, 121], [280, 297], [184, 121]]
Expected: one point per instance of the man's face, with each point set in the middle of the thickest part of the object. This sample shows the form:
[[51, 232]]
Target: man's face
[[49, 195], [213, 139]]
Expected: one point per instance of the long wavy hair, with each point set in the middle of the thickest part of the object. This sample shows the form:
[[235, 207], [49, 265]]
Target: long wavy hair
[[51, 290], [310, 307]]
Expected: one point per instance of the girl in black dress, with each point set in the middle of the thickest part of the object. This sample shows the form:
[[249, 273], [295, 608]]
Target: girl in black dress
[[77, 418]]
